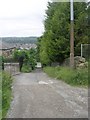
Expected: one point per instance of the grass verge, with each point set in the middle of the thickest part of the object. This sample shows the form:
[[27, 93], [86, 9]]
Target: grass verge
[[73, 77], [6, 92], [0, 95]]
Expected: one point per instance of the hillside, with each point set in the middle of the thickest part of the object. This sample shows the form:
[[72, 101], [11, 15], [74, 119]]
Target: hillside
[[21, 40]]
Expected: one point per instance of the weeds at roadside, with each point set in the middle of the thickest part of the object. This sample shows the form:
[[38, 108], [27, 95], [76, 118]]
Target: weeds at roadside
[[75, 77], [6, 92]]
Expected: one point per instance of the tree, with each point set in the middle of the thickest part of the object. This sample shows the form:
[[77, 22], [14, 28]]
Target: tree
[[55, 42], [80, 26]]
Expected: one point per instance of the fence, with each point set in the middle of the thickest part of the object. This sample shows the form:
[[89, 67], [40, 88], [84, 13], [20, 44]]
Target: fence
[[85, 51]]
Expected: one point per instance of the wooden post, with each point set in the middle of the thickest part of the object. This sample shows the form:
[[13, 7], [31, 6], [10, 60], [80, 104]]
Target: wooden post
[[72, 36]]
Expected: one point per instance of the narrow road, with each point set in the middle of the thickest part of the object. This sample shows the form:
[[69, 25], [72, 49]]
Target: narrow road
[[35, 95]]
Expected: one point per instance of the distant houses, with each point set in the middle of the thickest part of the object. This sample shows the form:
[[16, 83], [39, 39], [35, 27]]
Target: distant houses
[[25, 46], [7, 49]]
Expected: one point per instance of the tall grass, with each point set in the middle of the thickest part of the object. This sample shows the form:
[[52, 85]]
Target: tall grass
[[0, 95], [76, 77], [89, 73], [6, 92]]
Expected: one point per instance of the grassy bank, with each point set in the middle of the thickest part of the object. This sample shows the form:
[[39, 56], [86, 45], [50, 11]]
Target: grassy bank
[[6, 92], [73, 77], [0, 95]]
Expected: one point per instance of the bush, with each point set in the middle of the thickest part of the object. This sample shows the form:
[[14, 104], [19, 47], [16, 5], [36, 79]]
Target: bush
[[70, 76], [29, 58], [26, 68]]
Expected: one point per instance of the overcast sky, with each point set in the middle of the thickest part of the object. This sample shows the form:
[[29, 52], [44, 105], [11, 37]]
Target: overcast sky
[[22, 17]]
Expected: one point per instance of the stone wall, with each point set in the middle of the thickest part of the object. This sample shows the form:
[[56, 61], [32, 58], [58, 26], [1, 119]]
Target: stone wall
[[12, 68], [79, 61]]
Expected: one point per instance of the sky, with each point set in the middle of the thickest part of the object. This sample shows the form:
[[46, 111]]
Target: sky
[[19, 18]]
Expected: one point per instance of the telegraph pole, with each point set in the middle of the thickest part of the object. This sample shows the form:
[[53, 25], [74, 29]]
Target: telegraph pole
[[72, 36]]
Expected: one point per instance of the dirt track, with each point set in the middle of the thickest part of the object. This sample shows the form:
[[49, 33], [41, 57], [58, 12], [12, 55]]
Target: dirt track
[[38, 96]]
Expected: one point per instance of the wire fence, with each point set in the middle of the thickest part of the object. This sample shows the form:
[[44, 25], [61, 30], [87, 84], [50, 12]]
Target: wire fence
[[85, 51]]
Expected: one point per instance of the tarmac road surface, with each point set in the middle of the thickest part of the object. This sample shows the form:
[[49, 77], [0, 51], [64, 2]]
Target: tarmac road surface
[[35, 95]]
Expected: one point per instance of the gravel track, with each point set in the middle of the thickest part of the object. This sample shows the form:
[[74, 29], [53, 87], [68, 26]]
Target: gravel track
[[35, 95]]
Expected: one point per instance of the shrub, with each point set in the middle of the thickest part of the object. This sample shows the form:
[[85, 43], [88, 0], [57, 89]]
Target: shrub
[[26, 68], [29, 58]]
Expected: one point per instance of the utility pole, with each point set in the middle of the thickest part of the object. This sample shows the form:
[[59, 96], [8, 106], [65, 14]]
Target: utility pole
[[72, 36]]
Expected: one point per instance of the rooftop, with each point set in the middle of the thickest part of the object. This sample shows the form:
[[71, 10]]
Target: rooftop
[[5, 46]]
